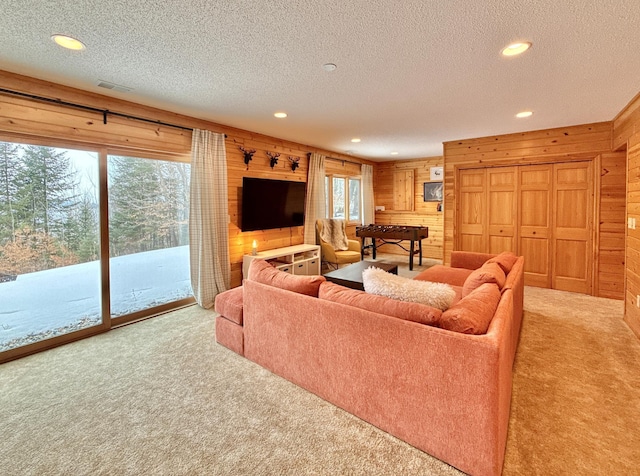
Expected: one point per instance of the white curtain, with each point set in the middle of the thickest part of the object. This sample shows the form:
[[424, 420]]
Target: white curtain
[[314, 207], [368, 206], [209, 217]]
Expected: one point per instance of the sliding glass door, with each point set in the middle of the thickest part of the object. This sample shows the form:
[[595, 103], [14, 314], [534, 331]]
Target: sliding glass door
[[69, 265], [148, 233]]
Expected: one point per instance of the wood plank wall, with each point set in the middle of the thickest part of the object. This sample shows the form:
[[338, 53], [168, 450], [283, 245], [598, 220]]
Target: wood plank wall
[[44, 122], [612, 225], [588, 141], [626, 133], [424, 214]]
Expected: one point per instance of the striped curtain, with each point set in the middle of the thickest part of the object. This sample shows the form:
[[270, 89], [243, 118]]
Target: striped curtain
[[209, 218], [314, 207]]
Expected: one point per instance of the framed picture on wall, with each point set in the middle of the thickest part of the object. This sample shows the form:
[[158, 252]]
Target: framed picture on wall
[[436, 174], [433, 191]]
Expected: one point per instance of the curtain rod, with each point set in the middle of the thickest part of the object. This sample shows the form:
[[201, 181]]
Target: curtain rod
[[339, 160], [104, 112]]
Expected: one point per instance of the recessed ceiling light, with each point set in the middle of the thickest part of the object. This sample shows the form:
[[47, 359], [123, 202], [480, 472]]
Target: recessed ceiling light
[[524, 114], [394, 153], [515, 49], [280, 115], [355, 139], [68, 42], [329, 67]]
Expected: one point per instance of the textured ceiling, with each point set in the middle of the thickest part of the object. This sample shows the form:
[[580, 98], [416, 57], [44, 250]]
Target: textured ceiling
[[410, 74]]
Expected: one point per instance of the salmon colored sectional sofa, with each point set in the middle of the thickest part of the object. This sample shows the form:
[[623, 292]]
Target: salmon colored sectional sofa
[[440, 381]]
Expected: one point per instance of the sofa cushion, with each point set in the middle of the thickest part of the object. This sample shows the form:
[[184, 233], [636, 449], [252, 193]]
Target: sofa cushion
[[378, 281], [410, 311], [487, 273], [474, 312], [262, 272], [444, 274], [229, 304], [505, 260]]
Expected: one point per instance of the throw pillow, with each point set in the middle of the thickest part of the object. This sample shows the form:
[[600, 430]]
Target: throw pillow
[[410, 311], [262, 272], [487, 273], [473, 313], [378, 281], [505, 260]]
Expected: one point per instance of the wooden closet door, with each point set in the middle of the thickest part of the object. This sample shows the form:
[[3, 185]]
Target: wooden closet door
[[573, 225], [535, 189], [472, 210], [502, 210]]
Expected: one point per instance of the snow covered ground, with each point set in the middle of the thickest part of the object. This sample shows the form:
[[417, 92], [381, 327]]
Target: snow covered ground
[[69, 298]]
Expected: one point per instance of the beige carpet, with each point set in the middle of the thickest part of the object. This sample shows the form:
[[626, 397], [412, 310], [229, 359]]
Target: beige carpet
[[160, 397]]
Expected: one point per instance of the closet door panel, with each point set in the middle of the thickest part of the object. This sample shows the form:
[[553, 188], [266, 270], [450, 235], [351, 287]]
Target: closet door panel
[[572, 254], [502, 212], [535, 189], [472, 211]]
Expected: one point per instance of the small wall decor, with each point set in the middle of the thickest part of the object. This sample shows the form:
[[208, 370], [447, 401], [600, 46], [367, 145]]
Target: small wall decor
[[248, 155], [273, 158], [436, 174], [295, 163], [433, 191]]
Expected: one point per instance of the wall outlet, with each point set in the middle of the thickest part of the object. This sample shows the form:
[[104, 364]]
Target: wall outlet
[[631, 223], [638, 300]]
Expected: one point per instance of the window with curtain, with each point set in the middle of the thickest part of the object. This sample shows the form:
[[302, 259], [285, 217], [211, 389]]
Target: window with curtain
[[344, 198]]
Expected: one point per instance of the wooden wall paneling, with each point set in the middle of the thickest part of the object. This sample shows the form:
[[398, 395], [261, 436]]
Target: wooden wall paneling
[[424, 213], [611, 224], [632, 249], [572, 227], [502, 208], [403, 187], [524, 146]]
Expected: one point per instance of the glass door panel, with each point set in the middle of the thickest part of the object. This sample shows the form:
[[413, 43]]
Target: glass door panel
[[148, 233], [49, 243]]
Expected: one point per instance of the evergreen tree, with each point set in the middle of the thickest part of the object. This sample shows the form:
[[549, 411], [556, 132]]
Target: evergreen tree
[[82, 230], [10, 166], [46, 190], [148, 204]]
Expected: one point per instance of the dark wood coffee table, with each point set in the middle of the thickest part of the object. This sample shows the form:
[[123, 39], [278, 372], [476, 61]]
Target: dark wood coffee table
[[351, 276]]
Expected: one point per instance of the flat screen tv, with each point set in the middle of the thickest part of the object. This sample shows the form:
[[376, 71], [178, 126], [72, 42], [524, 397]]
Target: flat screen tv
[[268, 204]]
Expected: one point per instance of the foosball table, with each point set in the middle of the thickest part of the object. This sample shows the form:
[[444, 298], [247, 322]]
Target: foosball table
[[393, 235]]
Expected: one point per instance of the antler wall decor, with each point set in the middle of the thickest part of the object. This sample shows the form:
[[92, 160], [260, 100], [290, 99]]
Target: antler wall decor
[[295, 163], [273, 156], [248, 155]]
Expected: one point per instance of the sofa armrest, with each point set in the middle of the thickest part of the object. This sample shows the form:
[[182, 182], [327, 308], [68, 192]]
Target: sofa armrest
[[354, 245], [469, 259]]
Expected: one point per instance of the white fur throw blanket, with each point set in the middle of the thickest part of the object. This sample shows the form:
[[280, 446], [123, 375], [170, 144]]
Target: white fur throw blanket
[[378, 281], [334, 232]]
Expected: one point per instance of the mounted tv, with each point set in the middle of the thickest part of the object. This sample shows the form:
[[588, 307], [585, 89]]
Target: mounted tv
[[268, 204]]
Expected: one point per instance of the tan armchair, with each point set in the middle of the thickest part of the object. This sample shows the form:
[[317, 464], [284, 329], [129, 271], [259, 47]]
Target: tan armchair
[[337, 257]]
